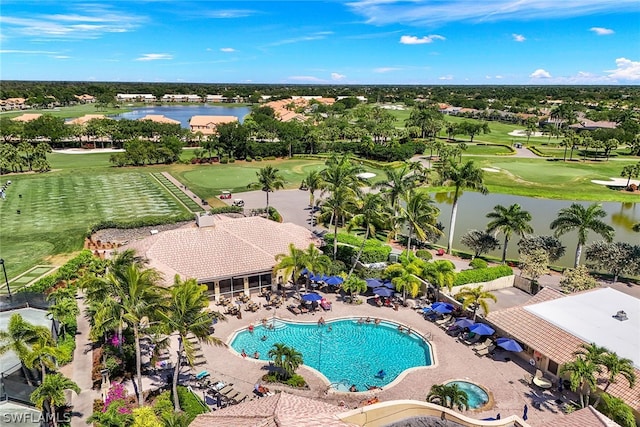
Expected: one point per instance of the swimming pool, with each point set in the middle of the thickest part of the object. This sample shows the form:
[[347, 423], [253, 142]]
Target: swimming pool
[[476, 396], [348, 353]]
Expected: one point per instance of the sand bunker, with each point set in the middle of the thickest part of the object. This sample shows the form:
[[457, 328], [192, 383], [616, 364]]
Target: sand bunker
[[366, 175], [521, 132], [491, 170], [616, 182]]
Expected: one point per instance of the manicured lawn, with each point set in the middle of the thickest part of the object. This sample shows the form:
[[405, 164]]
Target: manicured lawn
[[69, 112], [56, 210], [486, 150]]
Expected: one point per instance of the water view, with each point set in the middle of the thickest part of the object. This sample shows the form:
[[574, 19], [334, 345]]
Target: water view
[[183, 113], [473, 208]]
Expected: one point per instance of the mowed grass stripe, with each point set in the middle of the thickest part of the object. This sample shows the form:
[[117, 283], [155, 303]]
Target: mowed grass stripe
[[177, 193]]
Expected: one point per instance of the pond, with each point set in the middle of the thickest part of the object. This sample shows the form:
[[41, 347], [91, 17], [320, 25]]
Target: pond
[[183, 113], [473, 208]]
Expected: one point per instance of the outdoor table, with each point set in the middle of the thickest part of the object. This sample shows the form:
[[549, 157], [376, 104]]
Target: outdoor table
[[542, 382]]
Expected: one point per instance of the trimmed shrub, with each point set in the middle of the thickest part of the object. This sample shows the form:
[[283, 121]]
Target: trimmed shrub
[[232, 160], [269, 157], [71, 270], [163, 405], [140, 222], [424, 254], [296, 381], [349, 245], [248, 159], [478, 263], [226, 209], [224, 160], [68, 346], [190, 403], [258, 159], [482, 275]]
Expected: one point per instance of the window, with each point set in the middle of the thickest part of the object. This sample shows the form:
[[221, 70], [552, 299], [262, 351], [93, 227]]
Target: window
[[553, 367]]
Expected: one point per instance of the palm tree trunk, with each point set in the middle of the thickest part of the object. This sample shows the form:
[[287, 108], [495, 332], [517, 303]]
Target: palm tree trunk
[[25, 372], [452, 224], [335, 238], [565, 154], [44, 370], [267, 204], [504, 249], [136, 337], [359, 254], [578, 255], [176, 374], [54, 417]]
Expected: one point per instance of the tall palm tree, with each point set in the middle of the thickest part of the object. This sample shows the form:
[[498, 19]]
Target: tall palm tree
[[440, 273], [269, 180], [461, 176], [64, 310], [398, 182], [187, 315], [508, 221], [419, 215], [339, 205], [577, 217], [372, 217], [476, 298], [406, 274], [291, 264], [19, 337], [582, 376], [43, 354], [448, 395], [615, 366], [286, 359], [316, 261], [314, 182], [51, 393], [354, 285]]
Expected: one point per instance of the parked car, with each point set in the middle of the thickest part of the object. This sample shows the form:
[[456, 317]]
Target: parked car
[[238, 202], [225, 195]]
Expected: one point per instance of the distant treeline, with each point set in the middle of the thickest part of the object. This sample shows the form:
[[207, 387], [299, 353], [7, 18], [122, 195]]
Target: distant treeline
[[479, 97]]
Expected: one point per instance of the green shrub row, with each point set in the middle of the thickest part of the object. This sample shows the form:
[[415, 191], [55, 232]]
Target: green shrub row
[[69, 271], [139, 222], [537, 152], [424, 254], [482, 275], [68, 345], [478, 263], [191, 404], [226, 209], [349, 245], [362, 161]]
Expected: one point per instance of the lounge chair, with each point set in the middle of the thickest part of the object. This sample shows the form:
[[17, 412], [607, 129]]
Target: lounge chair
[[295, 310], [485, 350], [472, 340], [326, 305], [303, 309], [444, 320], [237, 400], [483, 345]]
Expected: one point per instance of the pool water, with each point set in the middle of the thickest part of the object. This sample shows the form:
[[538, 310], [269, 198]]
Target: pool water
[[349, 353], [476, 396]]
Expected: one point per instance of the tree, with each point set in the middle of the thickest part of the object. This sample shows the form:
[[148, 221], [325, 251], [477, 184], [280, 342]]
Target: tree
[[577, 217], [187, 315], [614, 257], [65, 311], [548, 244], [316, 261], [419, 215], [616, 410], [461, 176], [577, 279], [291, 264], [534, 264], [582, 377], [475, 298], [43, 355], [405, 275], [51, 393], [508, 221], [372, 217], [19, 337], [629, 172], [269, 180], [449, 396], [354, 286], [397, 183], [440, 273], [286, 359], [313, 181], [479, 241]]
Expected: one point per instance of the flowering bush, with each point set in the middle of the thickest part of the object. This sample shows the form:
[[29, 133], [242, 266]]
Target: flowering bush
[[117, 395]]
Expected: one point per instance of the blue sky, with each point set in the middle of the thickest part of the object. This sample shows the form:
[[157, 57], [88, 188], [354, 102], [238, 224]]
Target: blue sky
[[324, 42]]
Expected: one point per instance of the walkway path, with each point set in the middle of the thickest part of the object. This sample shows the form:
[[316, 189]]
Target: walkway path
[[185, 190]]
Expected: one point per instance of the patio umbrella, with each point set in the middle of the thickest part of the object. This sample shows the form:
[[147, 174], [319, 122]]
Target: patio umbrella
[[509, 344], [317, 277], [304, 272], [443, 308], [482, 329], [334, 280], [383, 292], [311, 297], [389, 285], [442, 304], [373, 283], [464, 323]]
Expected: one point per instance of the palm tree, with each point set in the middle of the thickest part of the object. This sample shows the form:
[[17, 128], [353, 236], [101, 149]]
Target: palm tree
[[449, 396], [577, 217], [286, 359], [419, 215], [405, 275], [509, 220], [269, 180], [615, 366], [440, 273], [372, 217], [64, 310], [19, 337], [43, 354], [461, 176], [51, 393], [314, 182], [316, 261], [354, 285], [397, 183], [340, 204], [475, 298], [187, 315], [582, 374], [630, 171], [292, 264]]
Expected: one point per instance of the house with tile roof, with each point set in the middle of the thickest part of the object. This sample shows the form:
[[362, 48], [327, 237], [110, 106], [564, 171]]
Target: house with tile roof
[[552, 326], [86, 119], [207, 124], [585, 417], [229, 255], [27, 117], [159, 118]]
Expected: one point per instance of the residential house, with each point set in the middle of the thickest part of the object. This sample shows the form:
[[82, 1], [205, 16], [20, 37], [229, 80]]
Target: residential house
[[207, 124]]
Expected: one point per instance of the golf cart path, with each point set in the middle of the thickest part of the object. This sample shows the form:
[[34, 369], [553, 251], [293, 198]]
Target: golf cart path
[[185, 190]]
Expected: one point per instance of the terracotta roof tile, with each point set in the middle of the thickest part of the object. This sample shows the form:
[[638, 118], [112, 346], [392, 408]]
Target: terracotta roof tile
[[586, 417]]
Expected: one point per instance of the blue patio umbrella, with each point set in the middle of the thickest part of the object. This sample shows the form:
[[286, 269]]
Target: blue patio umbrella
[[311, 297], [443, 308], [389, 285], [373, 283], [509, 344], [482, 329], [334, 280], [317, 277], [442, 304], [464, 323], [305, 271], [383, 292]]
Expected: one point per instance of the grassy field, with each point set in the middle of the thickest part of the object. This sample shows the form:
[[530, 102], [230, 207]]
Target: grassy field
[[56, 209], [69, 112]]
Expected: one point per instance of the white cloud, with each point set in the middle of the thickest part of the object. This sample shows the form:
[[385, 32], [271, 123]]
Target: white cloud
[[227, 49], [540, 74], [518, 37], [487, 77], [154, 57], [337, 76], [601, 31], [229, 13], [319, 35], [420, 40], [61, 57], [386, 69], [627, 70], [499, 77], [447, 77], [421, 12], [311, 79]]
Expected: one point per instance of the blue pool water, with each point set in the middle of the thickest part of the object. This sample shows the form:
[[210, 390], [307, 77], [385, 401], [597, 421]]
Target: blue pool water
[[476, 396], [349, 353]]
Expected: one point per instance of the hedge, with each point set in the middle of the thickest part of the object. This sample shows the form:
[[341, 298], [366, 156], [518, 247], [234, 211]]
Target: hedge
[[69, 271], [140, 222], [190, 403], [482, 275], [478, 263], [67, 345], [424, 254], [349, 245], [537, 152], [226, 209]]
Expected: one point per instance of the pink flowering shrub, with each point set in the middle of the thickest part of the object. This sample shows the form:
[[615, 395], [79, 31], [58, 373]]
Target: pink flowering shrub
[[117, 396]]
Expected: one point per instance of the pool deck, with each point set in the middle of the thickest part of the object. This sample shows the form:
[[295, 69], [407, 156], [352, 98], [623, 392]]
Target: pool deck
[[455, 361]]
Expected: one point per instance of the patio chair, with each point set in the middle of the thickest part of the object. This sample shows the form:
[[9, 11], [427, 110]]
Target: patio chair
[[483, 345], [472, 340], [303, 309], [237, 400], [485, 351], [295, 310], [444, 320]]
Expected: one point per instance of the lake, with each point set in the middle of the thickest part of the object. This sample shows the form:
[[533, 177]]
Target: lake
[[183, 113], [473, 208]]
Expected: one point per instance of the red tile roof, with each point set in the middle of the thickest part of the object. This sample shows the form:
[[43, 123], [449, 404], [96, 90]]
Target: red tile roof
[[586, 417]]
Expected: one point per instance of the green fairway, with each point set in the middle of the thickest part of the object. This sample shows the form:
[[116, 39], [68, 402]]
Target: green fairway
[[56, 210], [69, 112]]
